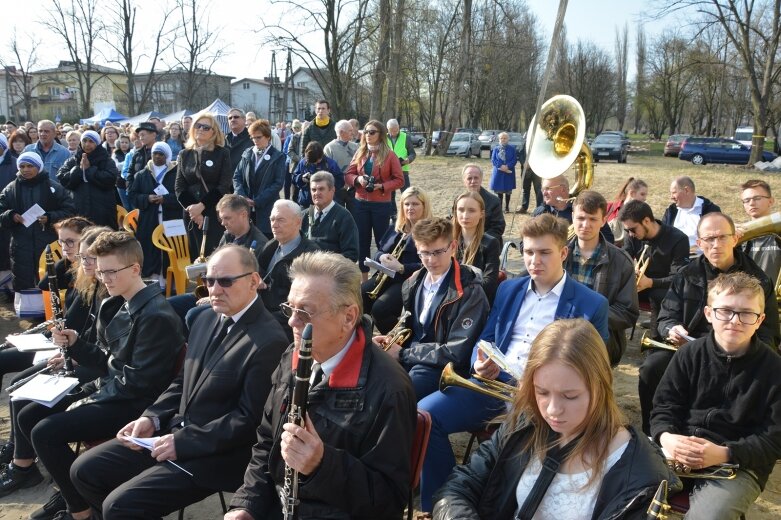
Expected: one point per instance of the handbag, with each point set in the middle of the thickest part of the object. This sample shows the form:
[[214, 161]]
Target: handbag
[[28, 304]]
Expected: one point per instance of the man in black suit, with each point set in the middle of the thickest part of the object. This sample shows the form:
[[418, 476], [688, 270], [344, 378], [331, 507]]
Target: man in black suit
[[472, 176], [238, 138], [206, 419], [330, 225]]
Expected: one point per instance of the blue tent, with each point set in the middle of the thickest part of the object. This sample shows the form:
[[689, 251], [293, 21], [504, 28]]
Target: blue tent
[[107, 114]]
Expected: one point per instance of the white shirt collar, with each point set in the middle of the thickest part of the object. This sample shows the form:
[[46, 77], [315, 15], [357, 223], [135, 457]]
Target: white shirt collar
[[236, 317], [326, 209], [434, 286], [556, 291]]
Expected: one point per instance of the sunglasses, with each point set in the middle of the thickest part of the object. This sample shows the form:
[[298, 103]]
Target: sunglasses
[[224, 281], [201, 126], [371, 132]]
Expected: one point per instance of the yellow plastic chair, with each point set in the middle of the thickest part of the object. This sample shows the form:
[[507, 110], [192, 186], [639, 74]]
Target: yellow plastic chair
[[178, 249], [131, 222], [121, 214], [47, 301]]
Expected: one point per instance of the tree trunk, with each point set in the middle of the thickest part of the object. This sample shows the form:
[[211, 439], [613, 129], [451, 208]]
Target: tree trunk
[[376, 110]]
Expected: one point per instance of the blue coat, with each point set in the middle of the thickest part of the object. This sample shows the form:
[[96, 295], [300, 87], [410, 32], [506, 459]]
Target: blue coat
[[501, 181], [263, 185]]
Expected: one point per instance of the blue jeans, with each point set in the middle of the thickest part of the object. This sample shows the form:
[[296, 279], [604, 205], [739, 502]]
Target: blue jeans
[[454, 410], [370, 217], [425, 379], [723, 499]]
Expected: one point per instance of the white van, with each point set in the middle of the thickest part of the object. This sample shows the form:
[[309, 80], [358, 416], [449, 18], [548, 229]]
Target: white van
[[743, 135]]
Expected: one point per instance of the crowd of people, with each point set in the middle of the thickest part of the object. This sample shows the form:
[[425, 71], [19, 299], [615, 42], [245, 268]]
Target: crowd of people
[[294, 212]]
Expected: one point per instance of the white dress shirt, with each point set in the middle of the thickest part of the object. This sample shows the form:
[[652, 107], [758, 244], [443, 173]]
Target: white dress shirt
[[686, 219]]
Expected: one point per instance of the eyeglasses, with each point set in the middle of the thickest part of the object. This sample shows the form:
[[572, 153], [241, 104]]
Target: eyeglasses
[[224, 281], [70, 242], [551, 188], [745, 317], [87, 260], [201, 126], [755, 198], [371, 132], [111, 273], [722, 239], [424, 255], [231, 118], [301, 315]]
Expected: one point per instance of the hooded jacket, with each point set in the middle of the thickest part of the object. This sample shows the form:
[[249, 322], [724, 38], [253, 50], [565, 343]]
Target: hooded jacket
[[93, 190]]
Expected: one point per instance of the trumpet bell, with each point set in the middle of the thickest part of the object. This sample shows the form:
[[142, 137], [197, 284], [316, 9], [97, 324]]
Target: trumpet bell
[[558, 137]]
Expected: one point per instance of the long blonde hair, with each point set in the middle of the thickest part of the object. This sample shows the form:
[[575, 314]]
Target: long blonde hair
[[575, 343], [87, 285], [218, 138], [363, 149], [471, 250], [402, 224]]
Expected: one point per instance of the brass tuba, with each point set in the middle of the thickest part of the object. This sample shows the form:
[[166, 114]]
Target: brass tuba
[[760, 227], [559, 142]]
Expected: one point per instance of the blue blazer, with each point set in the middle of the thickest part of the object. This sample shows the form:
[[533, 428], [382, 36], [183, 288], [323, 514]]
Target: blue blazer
[[576, 301]]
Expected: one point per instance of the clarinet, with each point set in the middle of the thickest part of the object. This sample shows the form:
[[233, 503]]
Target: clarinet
[[59, 318], [297, 414]]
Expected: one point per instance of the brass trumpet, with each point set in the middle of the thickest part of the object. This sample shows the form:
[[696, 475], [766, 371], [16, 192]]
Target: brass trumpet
[[399, 333], [723, 471], [491, 388], [383, 278], [648, 343], [642, 262]]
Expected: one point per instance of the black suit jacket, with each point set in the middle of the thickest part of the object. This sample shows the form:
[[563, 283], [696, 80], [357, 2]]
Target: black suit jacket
[[214, 408]]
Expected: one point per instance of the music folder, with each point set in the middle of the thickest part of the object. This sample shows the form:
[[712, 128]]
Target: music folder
[[45, 389]]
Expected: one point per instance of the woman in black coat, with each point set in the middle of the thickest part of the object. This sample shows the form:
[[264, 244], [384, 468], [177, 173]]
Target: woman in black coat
[[203, 176], [152, 192], [7, 174], [474, 246], [91, 177]]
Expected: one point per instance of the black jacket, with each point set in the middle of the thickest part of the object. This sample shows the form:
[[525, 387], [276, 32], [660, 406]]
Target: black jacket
[[27, 243], [336, 232], [137, 347], [237, 144], [668, 254], [731, 401], [672, 210], [246, 240], [93, 191], [487, 260], [263, 185], [409, 254], [277, 279], [485, 488], [494, 218], [685, 301], [365, 415], [453, 324], [323, 135], [214, 408]]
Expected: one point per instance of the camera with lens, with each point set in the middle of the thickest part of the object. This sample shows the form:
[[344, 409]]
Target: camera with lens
[[369, 183]]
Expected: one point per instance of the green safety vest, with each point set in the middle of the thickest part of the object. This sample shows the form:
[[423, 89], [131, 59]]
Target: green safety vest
[[400, 149]]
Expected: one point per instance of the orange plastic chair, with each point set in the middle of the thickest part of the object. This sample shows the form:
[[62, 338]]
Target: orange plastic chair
[[178, 249], [47, 302], [131, 222], [121, 214]]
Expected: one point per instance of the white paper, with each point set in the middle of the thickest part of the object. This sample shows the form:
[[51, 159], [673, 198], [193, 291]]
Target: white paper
[[160, 190], [32, 214], [379, 267], [30, 342], [47, 390], [44, 355], [144, 442], [174, 228]]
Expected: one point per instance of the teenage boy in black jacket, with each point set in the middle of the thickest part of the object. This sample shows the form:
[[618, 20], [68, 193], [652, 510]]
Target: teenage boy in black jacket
[[720, 401]]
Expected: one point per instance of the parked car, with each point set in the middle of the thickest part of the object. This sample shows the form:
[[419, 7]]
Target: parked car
[[436, 135], [487, 138], [417, 138], [610, 146], [517, 139], [704, 150], [466, 144], [673, 145]]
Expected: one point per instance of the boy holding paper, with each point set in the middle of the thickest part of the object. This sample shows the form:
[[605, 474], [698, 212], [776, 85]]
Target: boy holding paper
[[138, 339], [29, 207]]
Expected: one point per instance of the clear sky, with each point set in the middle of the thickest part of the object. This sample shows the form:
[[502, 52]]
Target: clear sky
[[594, 20]]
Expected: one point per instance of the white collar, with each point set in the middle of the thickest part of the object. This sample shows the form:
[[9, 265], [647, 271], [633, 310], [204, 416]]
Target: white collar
[[236, 317], [325, 210], [556, 291]]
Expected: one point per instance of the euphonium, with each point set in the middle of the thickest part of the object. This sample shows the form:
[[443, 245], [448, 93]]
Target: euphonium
[[297, 415], [383, 278], [752, 229], [659, 508], [495, 389], [399, 333], [648, 343]]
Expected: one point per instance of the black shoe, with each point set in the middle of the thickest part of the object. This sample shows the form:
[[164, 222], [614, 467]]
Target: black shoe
[[646, 324], [6, 453], [51, 508], [63, 515], [13, 478], [522, 211]]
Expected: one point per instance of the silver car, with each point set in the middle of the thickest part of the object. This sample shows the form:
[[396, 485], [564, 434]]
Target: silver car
[[465, 144]]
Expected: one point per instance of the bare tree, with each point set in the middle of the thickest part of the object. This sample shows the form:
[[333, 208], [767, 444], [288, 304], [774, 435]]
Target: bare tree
[[465, 56], [126, 50], [622, 69], [78, 25], [394, 66], [670, 78], [17, 71], [641, 51], [380, 75], [754, 30]]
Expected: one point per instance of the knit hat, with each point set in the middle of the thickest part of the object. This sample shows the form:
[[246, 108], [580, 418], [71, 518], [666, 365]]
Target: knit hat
[[163, 148], [92, 135], [30, 158], [3, 142]]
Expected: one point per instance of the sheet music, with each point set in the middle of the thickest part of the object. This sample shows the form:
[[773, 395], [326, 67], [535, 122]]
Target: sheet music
[[30, 342], [379, 267], [44, 355], [149, 443], [32, 214], [44, 389], [161, 190]]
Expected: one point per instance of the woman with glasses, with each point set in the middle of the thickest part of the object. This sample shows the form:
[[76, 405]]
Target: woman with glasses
[[374, 172], [109, 136], [474, 246], [386, 303], [203, 176]]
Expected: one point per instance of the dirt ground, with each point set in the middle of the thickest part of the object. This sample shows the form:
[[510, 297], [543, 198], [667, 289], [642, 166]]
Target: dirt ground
[[441, 179]]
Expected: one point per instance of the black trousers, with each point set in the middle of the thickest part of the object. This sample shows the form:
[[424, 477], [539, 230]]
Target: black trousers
[[48, 431], [123, 483], [386, 309], [529, 179], [651, 372]]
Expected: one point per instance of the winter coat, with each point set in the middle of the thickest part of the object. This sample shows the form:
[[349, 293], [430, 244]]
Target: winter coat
[[304, 167], [94, 190], [262, 185]]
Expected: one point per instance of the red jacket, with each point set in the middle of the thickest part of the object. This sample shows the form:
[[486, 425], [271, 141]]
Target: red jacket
[[388, 177]]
